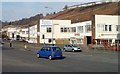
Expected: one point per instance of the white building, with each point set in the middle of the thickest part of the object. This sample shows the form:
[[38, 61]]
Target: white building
[[33, 34], [55, 30], [107, 28], [62, 32], [23, 33], [11, 32], [83, 32]]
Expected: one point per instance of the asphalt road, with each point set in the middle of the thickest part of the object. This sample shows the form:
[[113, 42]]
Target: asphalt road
[[17, 60]]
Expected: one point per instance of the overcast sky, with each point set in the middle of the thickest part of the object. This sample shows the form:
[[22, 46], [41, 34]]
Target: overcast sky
[[15, 10]]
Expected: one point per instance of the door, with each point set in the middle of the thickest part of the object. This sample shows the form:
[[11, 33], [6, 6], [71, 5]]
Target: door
[[88, 40], [57, 51], [69, 48], [47, 52]]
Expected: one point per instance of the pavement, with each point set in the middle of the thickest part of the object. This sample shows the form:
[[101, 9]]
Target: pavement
[[0, 58], [18, 59]]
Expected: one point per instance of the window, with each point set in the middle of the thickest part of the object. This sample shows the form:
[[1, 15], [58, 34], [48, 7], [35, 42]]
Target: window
[[68, 30], [106, 28], [26, 32], [23, 32], [49, 29], [87, 28], [118, 28], [110, 27], [100, 28], [61, 29], [73, 29], [65, 29], [80, 29], [56, 49]]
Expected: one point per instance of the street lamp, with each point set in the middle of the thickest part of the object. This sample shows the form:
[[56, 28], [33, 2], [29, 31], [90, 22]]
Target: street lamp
[[52, 26]]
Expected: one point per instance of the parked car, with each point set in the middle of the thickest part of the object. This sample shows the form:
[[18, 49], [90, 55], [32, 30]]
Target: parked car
[[71, 47], [50, 52]]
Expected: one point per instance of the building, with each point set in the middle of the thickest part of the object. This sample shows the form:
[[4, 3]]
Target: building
[[11, 32], [106, 28], [32, 37], [60, 32], [83, 33], [54, 31], [23, 33], [101, 28]]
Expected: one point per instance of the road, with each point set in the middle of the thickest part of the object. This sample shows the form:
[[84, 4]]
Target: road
[[17, 60]]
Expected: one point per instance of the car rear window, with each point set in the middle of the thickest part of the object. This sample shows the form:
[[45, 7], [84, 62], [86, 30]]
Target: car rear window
[[56, 48]]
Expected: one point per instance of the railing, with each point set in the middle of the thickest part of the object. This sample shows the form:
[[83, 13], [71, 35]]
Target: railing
[[87, 4]]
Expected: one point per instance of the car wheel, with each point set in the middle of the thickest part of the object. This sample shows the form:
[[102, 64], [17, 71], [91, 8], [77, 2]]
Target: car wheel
[[73, 50], [38, 55], [64, 50], [50, 57]]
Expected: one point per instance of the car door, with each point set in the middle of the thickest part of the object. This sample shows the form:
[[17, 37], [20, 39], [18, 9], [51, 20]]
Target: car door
[[47, 51], [69, 47], [42, 52], [57, 51]]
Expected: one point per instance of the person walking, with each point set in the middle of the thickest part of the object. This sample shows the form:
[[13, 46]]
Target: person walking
[[11, 43]]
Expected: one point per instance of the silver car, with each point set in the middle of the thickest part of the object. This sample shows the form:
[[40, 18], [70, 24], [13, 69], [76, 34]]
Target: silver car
[[71, 47]]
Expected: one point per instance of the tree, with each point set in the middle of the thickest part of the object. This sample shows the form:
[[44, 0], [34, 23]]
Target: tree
[[10, 23], [54, 12], [47, 14], [66, 7]]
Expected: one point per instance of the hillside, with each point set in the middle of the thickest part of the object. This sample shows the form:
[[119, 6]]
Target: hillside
[[84, 13], [23, 22], [77, 14]]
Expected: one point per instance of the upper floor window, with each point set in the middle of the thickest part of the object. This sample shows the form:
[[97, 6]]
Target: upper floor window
[[65, 29], [118, 28], [61, 29], [26, 32], [110, 27], [49, 29], [106, 28], [23, 32], [73, 29], [87, 28], [80, 29]]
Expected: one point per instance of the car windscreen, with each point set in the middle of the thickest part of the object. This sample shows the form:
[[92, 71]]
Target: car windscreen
[[74, 46], [56, 48]]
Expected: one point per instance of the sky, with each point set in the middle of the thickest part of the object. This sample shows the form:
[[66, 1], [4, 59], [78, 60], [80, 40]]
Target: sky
[[11, 10]]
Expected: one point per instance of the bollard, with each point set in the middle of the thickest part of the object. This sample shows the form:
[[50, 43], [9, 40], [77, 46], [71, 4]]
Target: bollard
[[25, 46], [10, 44]]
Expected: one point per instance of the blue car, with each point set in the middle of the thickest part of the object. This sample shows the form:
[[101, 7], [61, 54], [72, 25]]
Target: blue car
[[50, 52]]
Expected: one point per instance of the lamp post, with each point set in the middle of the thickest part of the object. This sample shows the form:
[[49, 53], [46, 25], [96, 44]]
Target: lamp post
[[52, 26]]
